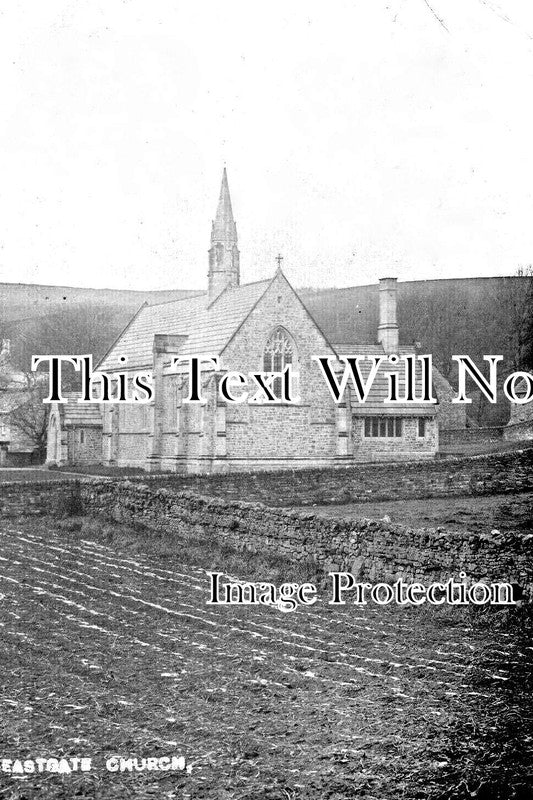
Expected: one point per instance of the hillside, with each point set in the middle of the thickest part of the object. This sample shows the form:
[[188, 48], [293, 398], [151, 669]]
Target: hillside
[[66, 319], [19, 301]]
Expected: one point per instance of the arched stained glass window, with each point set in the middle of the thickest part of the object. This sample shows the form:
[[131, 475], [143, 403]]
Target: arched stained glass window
[[279, 352]]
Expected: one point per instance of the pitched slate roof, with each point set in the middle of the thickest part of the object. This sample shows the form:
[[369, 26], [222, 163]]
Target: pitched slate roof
[[354, 349], [79, 414], [376, 401], [208, 327]]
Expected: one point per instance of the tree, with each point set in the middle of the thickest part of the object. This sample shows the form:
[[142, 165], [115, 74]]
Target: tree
[[28, 417], [525, 360]]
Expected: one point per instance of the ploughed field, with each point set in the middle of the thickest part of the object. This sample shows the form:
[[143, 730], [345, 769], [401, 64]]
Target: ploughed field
[[108, 648]]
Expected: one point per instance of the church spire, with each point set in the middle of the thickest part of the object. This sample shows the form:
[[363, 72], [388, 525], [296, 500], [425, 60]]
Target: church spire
[[224, 209], [224, 253]]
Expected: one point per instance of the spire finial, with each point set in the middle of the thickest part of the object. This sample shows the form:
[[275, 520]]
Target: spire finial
[[279, 259]]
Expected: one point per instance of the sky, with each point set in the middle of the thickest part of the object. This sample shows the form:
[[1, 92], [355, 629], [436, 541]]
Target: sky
[[362, 139]]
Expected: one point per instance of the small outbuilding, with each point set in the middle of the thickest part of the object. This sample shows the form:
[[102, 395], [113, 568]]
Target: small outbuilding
[[74, 432]]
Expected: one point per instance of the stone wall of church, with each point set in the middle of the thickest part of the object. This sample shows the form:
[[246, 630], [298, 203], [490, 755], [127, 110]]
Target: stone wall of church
[[408, 445], [133, 449], [192, 436], [168, 418], [126, 434], [84, 445], [306, 432]]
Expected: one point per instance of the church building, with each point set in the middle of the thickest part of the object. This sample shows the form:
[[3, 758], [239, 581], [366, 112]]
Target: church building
[[252, 327]]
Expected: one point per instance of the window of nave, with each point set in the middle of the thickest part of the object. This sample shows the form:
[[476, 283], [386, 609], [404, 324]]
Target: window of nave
[[279, 352]]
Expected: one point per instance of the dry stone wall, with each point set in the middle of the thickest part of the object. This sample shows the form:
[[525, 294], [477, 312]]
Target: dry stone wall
[[492, 474], [519, 431], [372, 550], [471, 435]]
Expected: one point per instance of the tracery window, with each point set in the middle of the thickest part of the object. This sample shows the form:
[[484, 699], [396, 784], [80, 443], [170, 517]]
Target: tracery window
[[279, 352]]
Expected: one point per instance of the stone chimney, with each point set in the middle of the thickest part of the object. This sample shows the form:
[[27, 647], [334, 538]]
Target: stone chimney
[[388, 334]]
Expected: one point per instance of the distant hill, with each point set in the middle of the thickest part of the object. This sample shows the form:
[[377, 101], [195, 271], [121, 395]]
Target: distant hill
[[39, 319], [20, 301]]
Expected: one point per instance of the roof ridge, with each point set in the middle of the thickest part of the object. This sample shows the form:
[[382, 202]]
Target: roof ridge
[[243, 286], [228, 289], [253, 283], [204, 293], [176, 300]]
